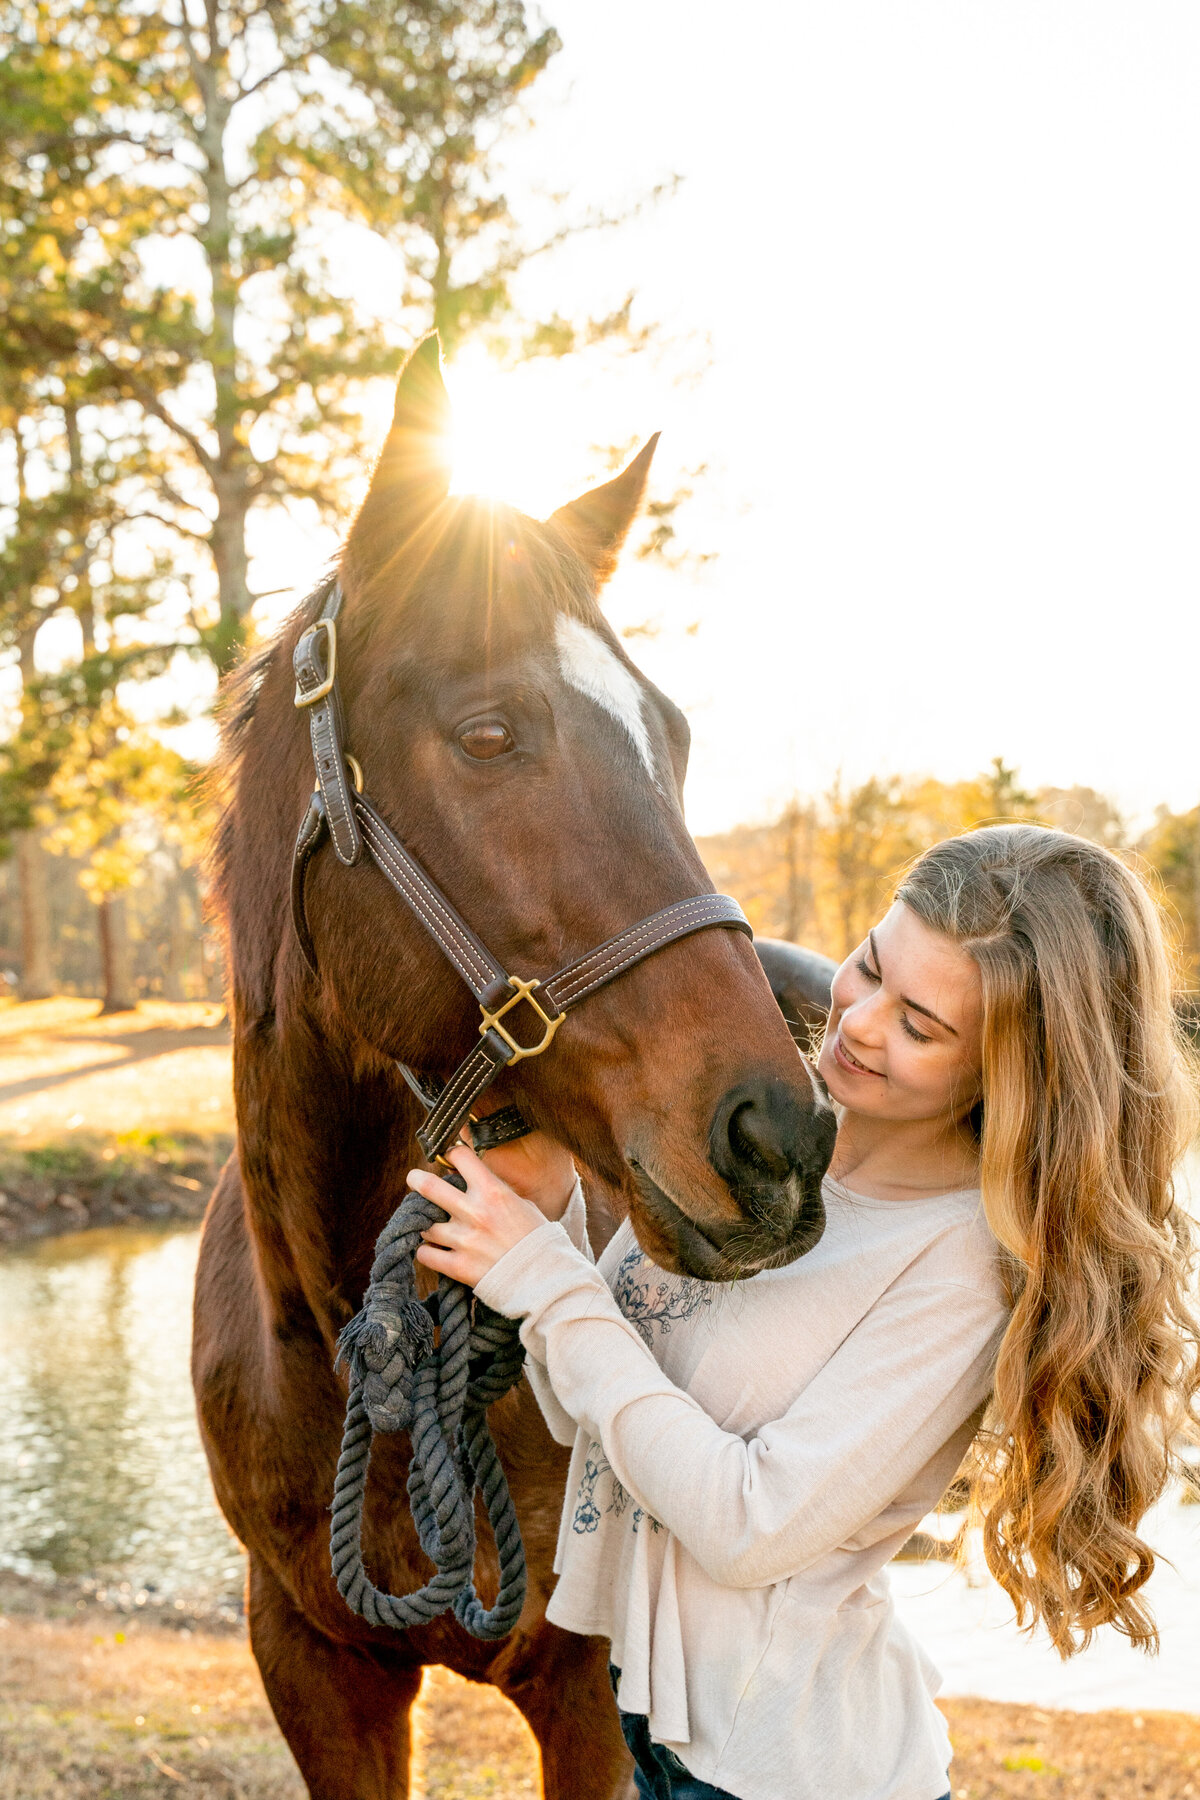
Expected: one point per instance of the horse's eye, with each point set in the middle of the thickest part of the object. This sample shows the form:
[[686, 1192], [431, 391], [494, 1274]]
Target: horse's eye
[[485, 740]]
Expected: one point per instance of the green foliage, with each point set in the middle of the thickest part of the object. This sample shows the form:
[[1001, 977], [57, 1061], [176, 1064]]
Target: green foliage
[[116, 792], [178, 347]]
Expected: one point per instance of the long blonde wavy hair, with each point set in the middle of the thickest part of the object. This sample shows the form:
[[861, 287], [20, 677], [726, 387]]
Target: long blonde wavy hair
[[1088, 1103]]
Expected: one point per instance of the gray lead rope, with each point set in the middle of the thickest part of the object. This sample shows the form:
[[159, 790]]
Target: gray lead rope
[[401, 1381]]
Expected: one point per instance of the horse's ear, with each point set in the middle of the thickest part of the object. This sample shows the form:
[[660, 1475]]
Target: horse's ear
[[412, 476], [421, 417], [597, 524]]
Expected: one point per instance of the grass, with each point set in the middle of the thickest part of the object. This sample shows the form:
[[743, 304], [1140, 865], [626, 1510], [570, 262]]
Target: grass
[[111, 1708], [114, 1710]]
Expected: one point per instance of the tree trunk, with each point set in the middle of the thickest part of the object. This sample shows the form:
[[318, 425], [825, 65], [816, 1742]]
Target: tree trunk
[[37, 975], [181, 943], [798, 892], [232, 566], [115, 958], [230, 469]]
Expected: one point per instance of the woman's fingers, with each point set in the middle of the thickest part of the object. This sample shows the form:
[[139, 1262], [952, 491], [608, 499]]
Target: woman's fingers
[[442, 1193], [444, 1261], [446, 1232], [464, 1157]]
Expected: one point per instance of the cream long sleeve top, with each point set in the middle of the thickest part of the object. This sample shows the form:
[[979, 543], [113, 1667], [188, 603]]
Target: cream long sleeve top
[[747, 1456]]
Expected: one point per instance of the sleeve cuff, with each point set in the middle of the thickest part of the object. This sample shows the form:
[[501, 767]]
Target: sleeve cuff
[[539, 1268]]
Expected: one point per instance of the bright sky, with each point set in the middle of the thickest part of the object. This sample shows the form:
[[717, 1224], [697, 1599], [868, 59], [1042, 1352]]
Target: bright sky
[[947, 257], [933, 272]]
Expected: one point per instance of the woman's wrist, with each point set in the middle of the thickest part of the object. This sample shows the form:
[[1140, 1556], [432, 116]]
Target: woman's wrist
[[537, 1168]]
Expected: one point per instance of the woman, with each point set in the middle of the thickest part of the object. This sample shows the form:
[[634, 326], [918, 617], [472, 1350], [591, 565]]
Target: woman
[[1013, 1099]]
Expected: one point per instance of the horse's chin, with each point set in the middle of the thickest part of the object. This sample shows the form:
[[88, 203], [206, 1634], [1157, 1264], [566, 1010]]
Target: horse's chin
[[680, 1244]]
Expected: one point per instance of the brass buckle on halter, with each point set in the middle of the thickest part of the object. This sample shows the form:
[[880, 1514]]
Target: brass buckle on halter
[[310, 696], [491, 1020]]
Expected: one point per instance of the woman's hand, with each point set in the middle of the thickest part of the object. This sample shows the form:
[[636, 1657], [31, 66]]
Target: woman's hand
[[484, 1223], [538, 1168]]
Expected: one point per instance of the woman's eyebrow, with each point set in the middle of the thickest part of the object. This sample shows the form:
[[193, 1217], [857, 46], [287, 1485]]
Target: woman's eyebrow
[[914, 1005]]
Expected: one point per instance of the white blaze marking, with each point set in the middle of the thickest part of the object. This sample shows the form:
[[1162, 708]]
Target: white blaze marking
[[589, 665]]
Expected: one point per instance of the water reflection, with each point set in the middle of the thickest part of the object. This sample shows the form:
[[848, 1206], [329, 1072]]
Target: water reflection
[[101, 1470]]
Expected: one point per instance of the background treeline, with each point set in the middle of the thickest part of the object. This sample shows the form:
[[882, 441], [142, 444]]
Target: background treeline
[[166, 950], [820, 873]]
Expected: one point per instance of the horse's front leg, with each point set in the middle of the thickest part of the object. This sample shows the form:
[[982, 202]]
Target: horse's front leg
[[345, 1714], [564, 1692]]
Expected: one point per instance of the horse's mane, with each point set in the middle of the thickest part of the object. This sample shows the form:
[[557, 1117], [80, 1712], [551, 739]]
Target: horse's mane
[[235, 713]]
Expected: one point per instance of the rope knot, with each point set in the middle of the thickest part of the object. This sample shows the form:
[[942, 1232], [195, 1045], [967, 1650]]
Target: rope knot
[[399, 1381], [383, 1345]]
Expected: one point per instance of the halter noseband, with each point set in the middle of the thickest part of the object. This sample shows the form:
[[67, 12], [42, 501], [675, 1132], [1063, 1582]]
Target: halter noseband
[[342, 811]]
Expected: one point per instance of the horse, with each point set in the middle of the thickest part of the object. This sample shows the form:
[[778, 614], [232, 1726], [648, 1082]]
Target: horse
[[802, 983], [510, 742]]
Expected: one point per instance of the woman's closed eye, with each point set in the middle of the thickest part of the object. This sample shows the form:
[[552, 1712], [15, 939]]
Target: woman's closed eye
[[919, 1037]]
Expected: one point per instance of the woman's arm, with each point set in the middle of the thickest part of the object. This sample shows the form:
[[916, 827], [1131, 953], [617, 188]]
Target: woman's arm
[[754, 1511], [562, 1427], [757, 1511]]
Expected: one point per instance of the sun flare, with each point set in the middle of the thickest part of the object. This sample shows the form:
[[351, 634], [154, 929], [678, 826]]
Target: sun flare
[[512, 440]]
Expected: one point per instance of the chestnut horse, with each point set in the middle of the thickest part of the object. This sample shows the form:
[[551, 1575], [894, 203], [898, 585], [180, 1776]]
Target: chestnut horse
[[536, 774]]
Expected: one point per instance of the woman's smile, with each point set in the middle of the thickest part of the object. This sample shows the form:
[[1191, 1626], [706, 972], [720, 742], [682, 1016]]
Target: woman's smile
[[845, 1056]]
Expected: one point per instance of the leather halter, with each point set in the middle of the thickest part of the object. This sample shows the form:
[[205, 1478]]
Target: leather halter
[[340, 810]]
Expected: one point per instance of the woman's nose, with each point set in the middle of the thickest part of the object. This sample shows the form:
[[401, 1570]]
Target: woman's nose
[[864, 1020]]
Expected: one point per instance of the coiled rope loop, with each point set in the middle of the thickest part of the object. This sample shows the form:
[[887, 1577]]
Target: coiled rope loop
[[400, 1380]]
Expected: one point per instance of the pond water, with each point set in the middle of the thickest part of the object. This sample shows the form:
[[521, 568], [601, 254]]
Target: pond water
[[102, 1476], [101, 1469]]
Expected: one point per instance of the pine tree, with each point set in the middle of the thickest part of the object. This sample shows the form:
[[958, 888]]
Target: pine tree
[[243, 136]]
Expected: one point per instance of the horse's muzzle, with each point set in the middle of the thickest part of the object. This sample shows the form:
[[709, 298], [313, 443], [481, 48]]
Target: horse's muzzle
[[771, 1151]]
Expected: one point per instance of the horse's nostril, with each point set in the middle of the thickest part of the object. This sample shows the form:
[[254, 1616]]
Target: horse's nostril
[[765, 1131], [755, 1136]]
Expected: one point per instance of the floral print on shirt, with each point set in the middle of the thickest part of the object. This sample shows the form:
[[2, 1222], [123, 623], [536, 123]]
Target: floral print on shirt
[[654, 1304], [660, 1302], [587, 1507]]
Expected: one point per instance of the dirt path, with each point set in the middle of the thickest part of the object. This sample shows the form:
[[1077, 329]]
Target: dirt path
[[114, 1709], [108, 1119], [164, 1067]]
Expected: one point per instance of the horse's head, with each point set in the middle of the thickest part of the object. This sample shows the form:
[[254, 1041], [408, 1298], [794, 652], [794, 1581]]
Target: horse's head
[[535, 772]]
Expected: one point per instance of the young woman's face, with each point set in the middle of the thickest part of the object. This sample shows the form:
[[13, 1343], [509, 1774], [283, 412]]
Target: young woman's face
[[903, 1040]]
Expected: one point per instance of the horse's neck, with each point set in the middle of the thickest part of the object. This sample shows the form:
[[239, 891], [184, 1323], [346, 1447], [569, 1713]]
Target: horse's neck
[[325, 1139]]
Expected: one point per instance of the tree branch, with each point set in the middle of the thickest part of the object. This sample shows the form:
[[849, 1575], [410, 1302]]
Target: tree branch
[[168, 492], [197, 537], [286, 66], [195, 62], [147, 398]]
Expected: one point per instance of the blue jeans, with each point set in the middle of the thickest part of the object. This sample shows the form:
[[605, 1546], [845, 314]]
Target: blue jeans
[[658, 1773]]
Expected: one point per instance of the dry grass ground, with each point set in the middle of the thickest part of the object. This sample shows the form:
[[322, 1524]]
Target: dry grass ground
[[105, 1119], [163, 1067], [127, 1711], [116, 1710]]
